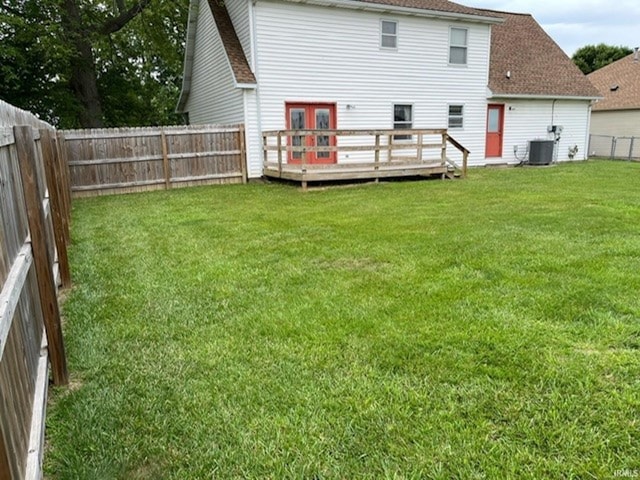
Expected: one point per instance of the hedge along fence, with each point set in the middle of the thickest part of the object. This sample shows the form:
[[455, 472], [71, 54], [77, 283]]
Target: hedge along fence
[[122, 160], [34, 233]]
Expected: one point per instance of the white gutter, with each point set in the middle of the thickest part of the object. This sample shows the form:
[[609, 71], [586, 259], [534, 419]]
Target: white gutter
[[190, 48], [524, 96], [385, 8]]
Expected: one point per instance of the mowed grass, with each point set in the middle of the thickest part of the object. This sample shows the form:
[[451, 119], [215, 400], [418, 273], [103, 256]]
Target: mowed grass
[[485, 328]]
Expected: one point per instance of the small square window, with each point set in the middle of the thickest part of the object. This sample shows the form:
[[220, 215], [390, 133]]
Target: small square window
[[402, 120], [388, 34], [456, 116], [458, 46]]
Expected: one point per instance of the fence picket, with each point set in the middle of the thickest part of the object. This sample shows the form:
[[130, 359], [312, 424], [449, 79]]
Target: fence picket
[[28, 151], [138, 159]]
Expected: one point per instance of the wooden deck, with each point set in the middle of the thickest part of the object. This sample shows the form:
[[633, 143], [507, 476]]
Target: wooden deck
[[377, 155]]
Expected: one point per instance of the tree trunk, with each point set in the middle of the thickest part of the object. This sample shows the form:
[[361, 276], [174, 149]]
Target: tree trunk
[[83, 82]]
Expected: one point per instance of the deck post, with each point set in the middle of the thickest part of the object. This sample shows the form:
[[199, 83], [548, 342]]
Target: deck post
[[419, 152], [280, 154], [443, 156], [304, 159], [465, 157], [265, 152], [377, 157], [389, 148]]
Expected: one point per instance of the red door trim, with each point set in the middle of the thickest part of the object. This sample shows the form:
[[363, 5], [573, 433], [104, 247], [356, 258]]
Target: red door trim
[[310, 123]]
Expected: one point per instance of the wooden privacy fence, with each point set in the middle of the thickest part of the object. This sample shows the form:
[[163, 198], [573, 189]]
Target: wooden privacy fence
[[122, 160], [34, 233]]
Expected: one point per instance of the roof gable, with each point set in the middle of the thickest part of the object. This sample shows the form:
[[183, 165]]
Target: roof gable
[[623, 74], [525, 61], [237, 59]]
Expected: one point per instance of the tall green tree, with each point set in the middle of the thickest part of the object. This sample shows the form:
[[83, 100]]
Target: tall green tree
[[593, 57], [90, 63]]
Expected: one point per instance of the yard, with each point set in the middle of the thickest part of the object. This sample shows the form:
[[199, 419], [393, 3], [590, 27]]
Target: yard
[[485, 328]]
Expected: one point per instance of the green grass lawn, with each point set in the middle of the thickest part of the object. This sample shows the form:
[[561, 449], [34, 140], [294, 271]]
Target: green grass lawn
[[485, 328]]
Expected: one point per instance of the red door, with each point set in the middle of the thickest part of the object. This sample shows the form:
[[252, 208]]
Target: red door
[[311, 116], [495, 125]]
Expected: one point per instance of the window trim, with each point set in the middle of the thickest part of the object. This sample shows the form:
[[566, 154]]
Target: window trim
[[465, 46], [461, 116], [395, 36], [402, 138]]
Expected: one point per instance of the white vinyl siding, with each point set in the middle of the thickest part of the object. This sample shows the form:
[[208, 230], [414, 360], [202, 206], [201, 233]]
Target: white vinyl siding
[[458, 43], [213, 97], [389, 34], [616, 123], [310, 53], [527, 120], [252, 134]]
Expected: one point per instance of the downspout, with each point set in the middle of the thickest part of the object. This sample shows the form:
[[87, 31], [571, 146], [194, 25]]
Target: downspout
[[556, 141], [254, 60], [587, 138]]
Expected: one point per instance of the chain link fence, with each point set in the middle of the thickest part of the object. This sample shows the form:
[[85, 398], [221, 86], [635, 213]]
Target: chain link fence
[[607, 146]]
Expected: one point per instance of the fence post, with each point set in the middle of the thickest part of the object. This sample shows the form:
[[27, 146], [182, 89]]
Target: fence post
[[165, 160], [613, 148], [55, 196], [631, 148], [26, 150], [243, 152], [63, 167]]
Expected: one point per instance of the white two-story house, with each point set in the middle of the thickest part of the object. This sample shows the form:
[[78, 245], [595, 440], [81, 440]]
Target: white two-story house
[[495, 81]]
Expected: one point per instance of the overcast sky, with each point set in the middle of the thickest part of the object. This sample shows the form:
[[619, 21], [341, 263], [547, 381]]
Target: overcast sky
[[576, 23]]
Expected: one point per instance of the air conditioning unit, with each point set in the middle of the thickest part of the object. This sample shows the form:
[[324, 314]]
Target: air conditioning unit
[[540, 152]]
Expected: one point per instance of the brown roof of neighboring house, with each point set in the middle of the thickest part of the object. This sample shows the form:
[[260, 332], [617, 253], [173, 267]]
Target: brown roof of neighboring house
[[537, 65], [619, 84], [239, 64]]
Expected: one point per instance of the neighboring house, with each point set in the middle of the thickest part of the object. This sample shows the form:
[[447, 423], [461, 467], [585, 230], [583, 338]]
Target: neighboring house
[[495, 80], [618, 113]]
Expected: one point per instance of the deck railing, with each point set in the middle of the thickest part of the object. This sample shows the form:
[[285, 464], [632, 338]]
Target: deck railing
[[386, 146]]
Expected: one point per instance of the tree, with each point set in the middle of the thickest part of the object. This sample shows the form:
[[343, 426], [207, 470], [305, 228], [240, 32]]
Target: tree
[[592, 57], [89, 63]]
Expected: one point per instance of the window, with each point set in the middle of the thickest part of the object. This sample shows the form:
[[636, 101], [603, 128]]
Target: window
[[388, 34], [455, 116], [458, 46], [402, 120]]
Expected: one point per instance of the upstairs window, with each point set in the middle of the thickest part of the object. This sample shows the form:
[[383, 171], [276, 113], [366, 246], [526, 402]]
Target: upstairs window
[[456, 116], [402, 120], [458, 46], [388, 34]]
